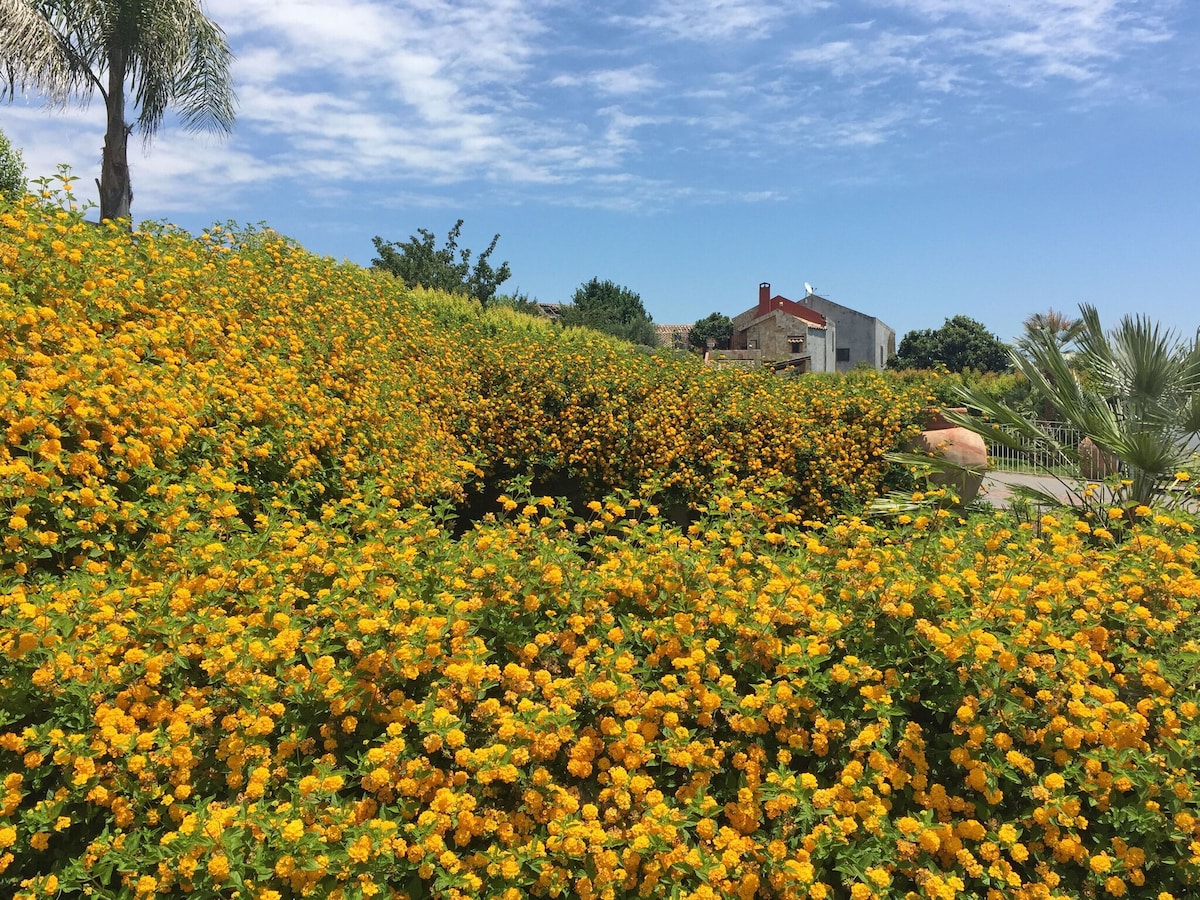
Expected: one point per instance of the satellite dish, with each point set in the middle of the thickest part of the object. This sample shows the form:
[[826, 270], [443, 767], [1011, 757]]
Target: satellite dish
[[809, 288]]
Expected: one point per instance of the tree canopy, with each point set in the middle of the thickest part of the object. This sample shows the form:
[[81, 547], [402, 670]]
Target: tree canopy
[[157, 54], [717, 326], [613, 309], [961, 343], [419, 262], [517, 301], [12, 170]]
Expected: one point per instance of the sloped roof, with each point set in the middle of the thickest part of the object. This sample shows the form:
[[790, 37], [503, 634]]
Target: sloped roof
[[754, 315], [669, 334], [799, 310]]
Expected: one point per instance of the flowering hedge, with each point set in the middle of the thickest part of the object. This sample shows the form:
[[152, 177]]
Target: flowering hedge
[[247, 649], [154, 382], [610, 707]]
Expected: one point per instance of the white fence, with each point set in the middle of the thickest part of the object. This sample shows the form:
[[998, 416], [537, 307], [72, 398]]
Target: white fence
[[1035, 456]]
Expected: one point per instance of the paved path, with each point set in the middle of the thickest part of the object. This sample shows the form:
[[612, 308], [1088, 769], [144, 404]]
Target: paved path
[[997, 486]]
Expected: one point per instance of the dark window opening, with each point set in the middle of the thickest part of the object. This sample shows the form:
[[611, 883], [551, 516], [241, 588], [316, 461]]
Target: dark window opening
[[843, 354]]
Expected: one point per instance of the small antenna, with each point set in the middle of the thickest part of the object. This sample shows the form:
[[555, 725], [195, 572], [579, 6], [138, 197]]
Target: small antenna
[[809, 288]]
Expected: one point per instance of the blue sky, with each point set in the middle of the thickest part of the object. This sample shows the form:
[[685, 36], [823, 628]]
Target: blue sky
[[914, 159]]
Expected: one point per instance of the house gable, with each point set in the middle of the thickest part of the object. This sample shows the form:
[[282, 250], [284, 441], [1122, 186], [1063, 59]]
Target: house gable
[[776, 335], [673, 335], [785, 331], [779, 303]]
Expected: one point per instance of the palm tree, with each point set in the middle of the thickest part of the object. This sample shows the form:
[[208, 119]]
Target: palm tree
[[1058, 325], [166, 53], [1135, 392], [1051, 325]]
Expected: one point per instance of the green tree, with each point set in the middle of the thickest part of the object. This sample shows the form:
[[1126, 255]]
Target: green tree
[[613, 309], [961, 343], [1135, 392], [12, 170], [419, 262], [155, 54], [717, 326]]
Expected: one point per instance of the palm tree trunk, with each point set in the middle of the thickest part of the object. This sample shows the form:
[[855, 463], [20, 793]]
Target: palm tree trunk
[[116, 190]]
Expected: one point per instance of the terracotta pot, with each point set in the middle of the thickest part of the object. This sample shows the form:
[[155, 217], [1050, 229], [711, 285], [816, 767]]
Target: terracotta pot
[[1096, 463], [958, 446], [936, 421]]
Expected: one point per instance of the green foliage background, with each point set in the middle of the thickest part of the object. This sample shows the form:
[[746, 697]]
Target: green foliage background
[[12, 170], [613, 309], [717, 326], [419, 263], [960, 344]]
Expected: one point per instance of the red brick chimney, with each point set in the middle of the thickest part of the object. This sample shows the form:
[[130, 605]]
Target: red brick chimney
[[764, 298]]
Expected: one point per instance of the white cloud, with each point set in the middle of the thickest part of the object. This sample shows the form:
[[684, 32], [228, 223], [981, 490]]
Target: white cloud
[[868, 132], [1027, 41], [612, 82], [887, 55], [621, 126], [715, 20], [525, 97], [929, 60], [434, 90]]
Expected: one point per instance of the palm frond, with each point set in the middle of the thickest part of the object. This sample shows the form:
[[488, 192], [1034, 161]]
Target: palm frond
[[37, 50], [1135, 392], [204, 89], [178, 58]]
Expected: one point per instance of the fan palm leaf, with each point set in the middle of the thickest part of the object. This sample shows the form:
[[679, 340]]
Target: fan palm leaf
[[1135, 391]]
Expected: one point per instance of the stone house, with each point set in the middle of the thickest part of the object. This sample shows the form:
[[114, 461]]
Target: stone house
[[811, 335], [673, 336], [785, 334]]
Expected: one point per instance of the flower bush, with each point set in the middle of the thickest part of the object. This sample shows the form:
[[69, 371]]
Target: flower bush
[[250, 647], [155, 382], [610, 706]]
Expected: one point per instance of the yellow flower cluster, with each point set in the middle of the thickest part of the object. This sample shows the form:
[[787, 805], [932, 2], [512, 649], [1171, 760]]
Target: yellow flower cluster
[[588, 415], [155, 384], [248, 651], [696, 710]]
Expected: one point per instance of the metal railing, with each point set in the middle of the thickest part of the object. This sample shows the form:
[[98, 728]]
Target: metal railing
[[1035, 456]]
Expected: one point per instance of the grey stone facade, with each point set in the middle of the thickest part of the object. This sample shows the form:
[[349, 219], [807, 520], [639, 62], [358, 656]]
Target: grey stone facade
[[776, 335], [860, 338]]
